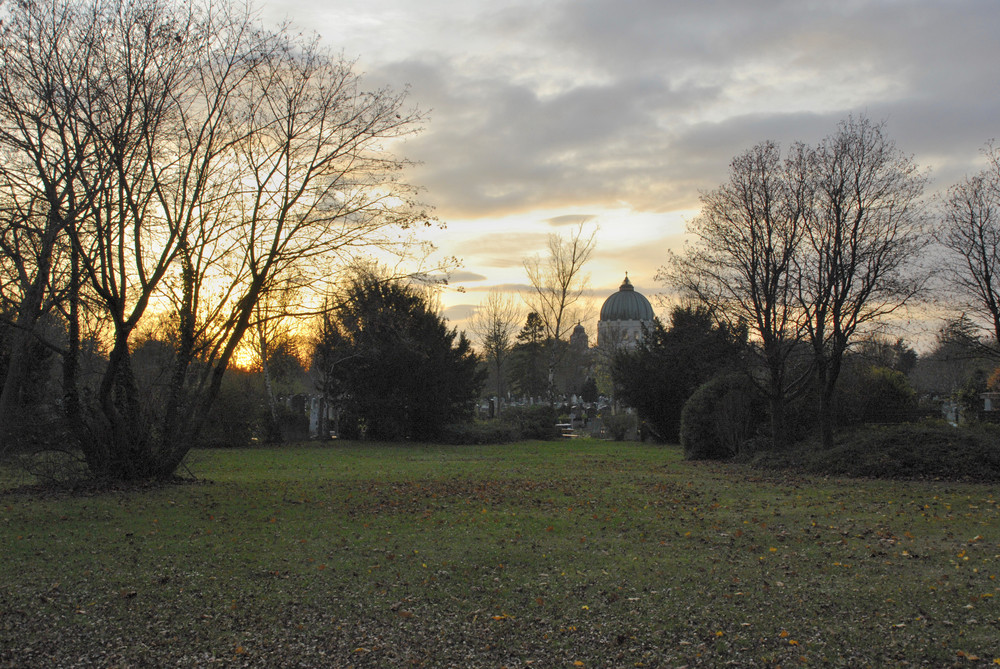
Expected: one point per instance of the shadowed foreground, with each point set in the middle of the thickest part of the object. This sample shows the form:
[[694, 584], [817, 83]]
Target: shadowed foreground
[[570, 554]]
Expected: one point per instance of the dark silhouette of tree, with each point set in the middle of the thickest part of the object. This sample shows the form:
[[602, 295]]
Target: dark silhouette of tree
[[528, 371], [494, 324], [589, 391], [813, 249], [865, 229], [181, 159], [893, 354], [658, 376], [394, 368], [970, 233], [558, 285], [742, 263], [960, 351]]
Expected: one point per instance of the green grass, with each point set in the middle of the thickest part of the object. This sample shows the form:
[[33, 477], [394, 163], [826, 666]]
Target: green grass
[[552, 554]]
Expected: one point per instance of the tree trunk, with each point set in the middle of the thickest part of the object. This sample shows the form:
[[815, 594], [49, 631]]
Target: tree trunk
[[117, 441], [17, 370], [71, 360], [827, 373], [173, 444], [274, 433], [777, 407], [23, 332], [826, 419], [499, 386]]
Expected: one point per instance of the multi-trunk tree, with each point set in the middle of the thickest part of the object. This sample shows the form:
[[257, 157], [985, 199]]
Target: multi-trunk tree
[[809, 251], [865, 230], [188, 160], [741, 264]]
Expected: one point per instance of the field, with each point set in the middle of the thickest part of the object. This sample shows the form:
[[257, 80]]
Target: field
[[568, 554]]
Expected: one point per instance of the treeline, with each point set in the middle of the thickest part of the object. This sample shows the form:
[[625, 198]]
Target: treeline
[[794, 270]]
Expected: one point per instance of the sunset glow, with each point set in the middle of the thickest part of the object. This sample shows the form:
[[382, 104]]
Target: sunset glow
[[623, 113]]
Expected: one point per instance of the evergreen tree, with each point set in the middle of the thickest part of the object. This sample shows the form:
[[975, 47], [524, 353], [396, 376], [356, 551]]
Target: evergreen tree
[[528, 371], [658, 376], [397, 370]]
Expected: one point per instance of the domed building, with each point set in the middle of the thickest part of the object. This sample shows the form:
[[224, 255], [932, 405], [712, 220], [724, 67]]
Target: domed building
[[578, 341], [622, 317]]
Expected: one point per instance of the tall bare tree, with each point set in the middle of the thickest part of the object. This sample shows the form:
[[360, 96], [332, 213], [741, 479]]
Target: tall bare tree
[[210, 158], [809, 250], [741, 262], [495, 324], [558, 285], [272, 332], [46, 51], [970, 234], [866, 229]]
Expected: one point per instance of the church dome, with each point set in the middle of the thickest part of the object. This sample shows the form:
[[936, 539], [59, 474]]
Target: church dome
[[627, 305]]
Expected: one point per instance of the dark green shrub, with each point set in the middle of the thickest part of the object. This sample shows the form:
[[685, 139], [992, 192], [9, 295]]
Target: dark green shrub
[[924, 451], [532, 422], [720, 418], [875, 395], [239, 415], [658, 375], [398, 371], [619, 426], [968, 396]]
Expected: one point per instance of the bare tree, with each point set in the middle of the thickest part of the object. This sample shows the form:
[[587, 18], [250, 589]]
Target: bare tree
[[970, 234], [45, 50], [496, 324], [558, 285], [272, 331], [866, 229], [812, 249], [210, 159], [742, 261]]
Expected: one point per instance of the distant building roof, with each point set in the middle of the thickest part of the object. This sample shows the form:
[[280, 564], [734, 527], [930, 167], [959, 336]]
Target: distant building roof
[[627, 305]]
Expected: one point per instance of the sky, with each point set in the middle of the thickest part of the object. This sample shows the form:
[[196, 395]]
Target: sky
[[620, 113]]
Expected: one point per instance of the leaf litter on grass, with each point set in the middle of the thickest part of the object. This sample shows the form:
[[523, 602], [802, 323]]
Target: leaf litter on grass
[[598, 554]]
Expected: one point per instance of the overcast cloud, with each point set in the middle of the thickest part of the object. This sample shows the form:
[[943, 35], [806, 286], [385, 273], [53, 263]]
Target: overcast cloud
[[624, 110]]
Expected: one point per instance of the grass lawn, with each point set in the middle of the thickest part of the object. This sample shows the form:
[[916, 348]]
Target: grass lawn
[[569, 554]]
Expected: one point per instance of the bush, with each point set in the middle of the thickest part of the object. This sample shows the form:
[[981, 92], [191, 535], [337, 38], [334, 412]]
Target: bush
[[929, 451], [239, 415], [876, 395], [516, 423], [619, 426], [55, 468], [720, 418], [532, 422]]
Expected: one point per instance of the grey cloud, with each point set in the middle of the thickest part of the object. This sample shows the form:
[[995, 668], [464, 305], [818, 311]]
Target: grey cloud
[[597, 101], [570, 219], [462, 276], [501, 249], [459, 312], [512, 288], [520, 151]]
